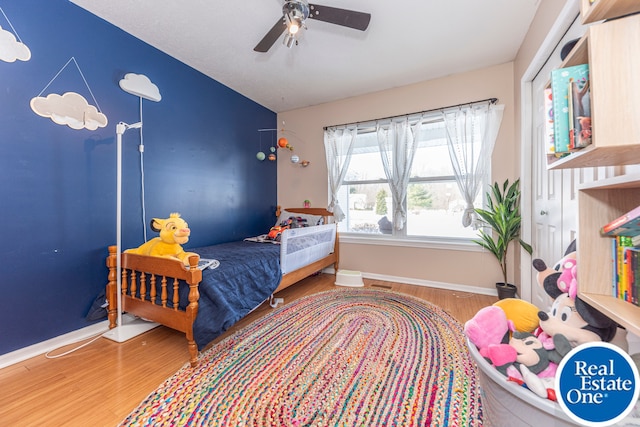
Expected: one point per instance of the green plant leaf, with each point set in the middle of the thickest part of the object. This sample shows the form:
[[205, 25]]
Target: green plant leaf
[[502, 215]]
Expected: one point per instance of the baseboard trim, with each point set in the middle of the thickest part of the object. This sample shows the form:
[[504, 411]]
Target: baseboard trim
[[52, 344], [431, 284]]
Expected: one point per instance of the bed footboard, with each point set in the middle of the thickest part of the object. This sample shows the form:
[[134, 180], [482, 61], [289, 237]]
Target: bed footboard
[[150, 290]]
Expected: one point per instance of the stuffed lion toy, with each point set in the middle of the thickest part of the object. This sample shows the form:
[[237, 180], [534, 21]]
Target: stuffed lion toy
[[174, 232]]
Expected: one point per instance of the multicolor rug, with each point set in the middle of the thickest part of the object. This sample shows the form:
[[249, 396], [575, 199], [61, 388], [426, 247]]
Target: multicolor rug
[[346, 357]]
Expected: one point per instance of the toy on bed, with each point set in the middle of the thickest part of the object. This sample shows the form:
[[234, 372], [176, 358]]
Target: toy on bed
[[291, 222], [174, 232]]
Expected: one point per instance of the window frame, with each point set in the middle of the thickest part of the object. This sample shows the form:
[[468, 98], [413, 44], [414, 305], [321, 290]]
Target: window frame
[[400, 237]]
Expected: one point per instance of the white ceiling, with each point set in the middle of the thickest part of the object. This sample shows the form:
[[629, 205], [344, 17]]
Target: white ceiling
[[407, 41]]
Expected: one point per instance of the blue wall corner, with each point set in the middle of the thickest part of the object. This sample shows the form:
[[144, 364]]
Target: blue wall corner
[[58, 185]]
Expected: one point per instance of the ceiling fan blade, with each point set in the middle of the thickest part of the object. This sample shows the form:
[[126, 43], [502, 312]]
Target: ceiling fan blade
[[346, 18], [270, 38]]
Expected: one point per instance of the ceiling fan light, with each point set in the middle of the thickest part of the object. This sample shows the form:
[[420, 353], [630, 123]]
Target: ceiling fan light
[[289, 40], [294, 27]]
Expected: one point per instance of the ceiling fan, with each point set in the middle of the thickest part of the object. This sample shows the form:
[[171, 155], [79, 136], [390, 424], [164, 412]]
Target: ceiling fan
[[296, 12]]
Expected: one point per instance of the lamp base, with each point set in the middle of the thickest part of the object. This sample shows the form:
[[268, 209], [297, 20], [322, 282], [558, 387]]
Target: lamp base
[[131, 327]]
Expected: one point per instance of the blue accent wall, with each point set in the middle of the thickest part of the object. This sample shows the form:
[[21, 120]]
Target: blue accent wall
[[58, 185]]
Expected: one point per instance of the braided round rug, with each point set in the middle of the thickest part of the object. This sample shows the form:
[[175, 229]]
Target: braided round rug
[[345, 357]]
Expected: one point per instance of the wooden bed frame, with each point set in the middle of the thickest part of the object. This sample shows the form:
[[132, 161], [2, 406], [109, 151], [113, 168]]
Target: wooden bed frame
[[145, 272]]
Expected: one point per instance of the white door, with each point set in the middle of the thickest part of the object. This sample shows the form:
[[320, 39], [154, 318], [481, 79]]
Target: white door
[[554, 207]]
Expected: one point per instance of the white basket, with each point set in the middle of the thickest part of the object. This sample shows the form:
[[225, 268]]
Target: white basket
[[349, 278], [506, 404]]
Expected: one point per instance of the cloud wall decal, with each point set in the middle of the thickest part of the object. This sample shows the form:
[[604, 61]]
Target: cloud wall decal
[[11, 49], [140, 85], [70, 109]]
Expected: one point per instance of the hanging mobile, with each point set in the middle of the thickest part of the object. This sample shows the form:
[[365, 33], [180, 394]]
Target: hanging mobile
[[260, 156]]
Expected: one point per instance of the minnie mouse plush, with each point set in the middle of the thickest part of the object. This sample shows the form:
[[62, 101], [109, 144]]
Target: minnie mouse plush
[[569, 316]]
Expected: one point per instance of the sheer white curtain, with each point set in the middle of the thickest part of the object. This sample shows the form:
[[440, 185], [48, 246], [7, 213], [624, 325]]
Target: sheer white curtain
[[471, 136], [338, 146], [398, 143]]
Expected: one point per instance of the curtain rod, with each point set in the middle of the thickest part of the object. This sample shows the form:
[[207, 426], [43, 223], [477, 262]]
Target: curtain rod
[[490, 100]]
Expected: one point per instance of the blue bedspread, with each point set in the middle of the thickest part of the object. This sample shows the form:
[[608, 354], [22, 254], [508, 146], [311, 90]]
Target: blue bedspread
[[248, 274]]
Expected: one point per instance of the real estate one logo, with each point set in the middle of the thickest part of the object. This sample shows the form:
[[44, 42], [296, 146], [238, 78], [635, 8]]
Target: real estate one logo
[[597, 384]]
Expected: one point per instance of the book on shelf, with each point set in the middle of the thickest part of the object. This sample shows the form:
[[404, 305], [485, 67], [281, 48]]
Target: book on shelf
[[578, 94], [560, 79], [623, 268], [635, 279], [630, 275], [614, 268], [549, 145], [626, 225], [625, 273]]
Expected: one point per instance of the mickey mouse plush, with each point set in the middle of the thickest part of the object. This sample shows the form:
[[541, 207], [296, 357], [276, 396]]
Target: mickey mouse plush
[[569, 316]]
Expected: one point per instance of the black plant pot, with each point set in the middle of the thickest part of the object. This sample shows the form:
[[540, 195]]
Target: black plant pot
[[506, 290]]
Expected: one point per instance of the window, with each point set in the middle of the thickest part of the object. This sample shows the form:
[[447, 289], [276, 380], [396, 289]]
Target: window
[[434, 204]]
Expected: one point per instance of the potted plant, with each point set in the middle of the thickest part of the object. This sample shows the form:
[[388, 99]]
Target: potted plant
[[503, 217]]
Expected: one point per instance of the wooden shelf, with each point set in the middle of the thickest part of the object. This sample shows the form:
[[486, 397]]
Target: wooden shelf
[[579, 54], [599, 203], [614, 64], [626, 314], [614, 61], [598, 156], [606, 9]]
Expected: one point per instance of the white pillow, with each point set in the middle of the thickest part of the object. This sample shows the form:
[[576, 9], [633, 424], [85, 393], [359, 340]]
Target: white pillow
[[311, 219]]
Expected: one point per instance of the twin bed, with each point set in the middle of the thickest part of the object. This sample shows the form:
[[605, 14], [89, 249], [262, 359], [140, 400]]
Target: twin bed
[[205, 303]]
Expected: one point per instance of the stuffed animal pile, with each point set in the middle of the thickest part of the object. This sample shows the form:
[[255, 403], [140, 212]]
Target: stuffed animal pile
[[526, 344], [174, 232]]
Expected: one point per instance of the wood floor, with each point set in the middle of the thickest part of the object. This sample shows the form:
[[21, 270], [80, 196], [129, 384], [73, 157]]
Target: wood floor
[[101, 383]]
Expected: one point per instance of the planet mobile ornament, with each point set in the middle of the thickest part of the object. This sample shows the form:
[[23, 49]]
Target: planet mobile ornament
[[260, 156], [295, 159], [272, 157], [282, 142]]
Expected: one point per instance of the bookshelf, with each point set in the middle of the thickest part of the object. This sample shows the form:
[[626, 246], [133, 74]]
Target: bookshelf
[[592, 11], [599, 203], [613, 54], [612, 51]]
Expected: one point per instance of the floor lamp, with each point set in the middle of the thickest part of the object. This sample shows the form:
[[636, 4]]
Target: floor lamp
[[131, 326]]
